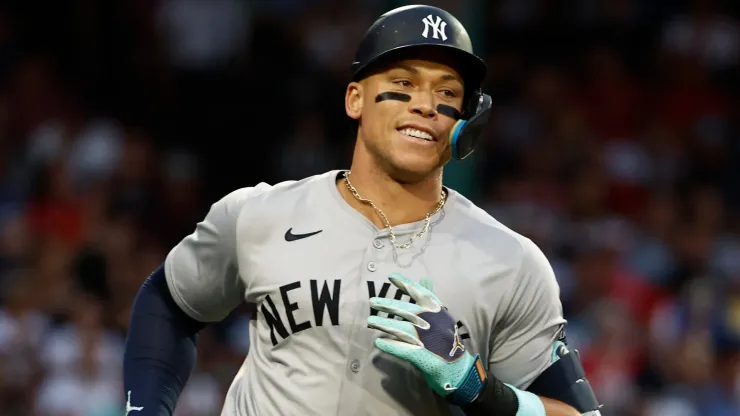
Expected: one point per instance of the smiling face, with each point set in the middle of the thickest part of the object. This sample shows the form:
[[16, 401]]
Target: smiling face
[[403, 131]]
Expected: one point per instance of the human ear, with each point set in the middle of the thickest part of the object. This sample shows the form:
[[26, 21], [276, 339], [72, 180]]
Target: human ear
[[353, 100]]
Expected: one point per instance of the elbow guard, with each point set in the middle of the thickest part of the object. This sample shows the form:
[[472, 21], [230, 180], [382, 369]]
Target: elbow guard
[[565, 381]]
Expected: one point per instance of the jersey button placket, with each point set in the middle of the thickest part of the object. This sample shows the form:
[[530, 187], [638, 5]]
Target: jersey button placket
[[361, 339]]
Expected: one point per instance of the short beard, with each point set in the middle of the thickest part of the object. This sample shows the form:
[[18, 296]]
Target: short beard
[[403, 176]]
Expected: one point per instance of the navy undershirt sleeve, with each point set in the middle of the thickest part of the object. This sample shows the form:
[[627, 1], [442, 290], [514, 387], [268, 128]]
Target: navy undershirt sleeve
[[160, 350]]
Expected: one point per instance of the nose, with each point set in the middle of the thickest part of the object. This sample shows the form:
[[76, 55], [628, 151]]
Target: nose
[[423, 105]]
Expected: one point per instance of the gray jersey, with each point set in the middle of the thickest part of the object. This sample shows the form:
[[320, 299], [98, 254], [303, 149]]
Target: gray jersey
[[311, 352]]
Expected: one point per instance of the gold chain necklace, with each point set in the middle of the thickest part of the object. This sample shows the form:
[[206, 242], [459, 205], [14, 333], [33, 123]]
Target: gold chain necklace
[[387, 223]]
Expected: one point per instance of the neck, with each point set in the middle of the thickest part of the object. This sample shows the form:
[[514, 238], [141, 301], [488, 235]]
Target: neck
[[401, 203]]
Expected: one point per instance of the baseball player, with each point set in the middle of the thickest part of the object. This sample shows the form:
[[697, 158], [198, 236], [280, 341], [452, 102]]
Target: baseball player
[[377, 290]]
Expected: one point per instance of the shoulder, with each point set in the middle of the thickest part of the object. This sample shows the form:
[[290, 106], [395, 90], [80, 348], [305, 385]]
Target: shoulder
[[474, 224], [258, 210], [499, 242], [266, 198]]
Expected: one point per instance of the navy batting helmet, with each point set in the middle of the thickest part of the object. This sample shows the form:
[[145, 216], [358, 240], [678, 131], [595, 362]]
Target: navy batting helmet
[[427, 32]]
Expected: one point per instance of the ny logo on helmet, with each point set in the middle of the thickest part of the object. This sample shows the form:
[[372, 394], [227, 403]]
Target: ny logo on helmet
[[438, 27]]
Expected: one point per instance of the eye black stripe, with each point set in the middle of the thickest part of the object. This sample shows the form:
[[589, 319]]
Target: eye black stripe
[[392, 95], [448, 111], [399, 96]]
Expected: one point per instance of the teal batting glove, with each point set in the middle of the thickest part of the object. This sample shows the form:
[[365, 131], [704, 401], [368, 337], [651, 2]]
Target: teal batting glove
[[428, 338]]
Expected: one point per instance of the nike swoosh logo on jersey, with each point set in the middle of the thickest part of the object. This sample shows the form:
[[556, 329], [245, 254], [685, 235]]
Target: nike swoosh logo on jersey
[[289, 236]]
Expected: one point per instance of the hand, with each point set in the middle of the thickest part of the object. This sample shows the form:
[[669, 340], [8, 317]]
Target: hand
[[428, 338]]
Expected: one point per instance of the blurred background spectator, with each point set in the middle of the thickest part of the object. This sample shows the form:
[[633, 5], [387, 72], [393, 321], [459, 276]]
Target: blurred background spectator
[[615, 146]]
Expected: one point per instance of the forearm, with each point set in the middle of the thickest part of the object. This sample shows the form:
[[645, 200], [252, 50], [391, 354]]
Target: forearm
[[160, 349]]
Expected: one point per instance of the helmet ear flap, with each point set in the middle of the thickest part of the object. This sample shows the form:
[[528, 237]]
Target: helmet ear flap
[[471, 103], [468, 131]]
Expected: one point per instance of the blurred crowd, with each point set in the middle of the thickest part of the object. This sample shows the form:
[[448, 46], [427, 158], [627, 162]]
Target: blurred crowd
[[615, 145]]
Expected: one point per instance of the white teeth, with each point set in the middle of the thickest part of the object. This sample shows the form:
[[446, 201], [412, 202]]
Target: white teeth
[[417, 133]]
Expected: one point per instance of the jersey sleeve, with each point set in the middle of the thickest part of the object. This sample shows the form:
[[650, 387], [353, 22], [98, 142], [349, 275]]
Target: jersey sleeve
[[522, 344], [202, 270]]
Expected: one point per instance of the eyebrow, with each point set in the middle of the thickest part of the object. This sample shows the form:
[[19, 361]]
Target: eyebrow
[[445, 77]]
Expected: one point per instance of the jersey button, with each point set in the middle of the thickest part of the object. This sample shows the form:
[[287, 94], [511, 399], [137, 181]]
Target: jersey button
[[378, 244], [355, 366], [371, 266]]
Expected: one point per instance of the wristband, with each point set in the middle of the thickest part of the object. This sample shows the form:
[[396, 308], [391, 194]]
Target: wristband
[[500, 399], [495, 398], [529, 403]]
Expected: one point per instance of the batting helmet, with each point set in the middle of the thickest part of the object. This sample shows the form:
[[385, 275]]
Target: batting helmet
[[421, 31]]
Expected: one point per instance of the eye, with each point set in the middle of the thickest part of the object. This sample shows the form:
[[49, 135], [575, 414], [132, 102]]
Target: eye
[[449, 93], [403, 82]]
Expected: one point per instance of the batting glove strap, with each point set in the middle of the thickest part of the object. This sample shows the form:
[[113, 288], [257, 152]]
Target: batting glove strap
[[471, 386]]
